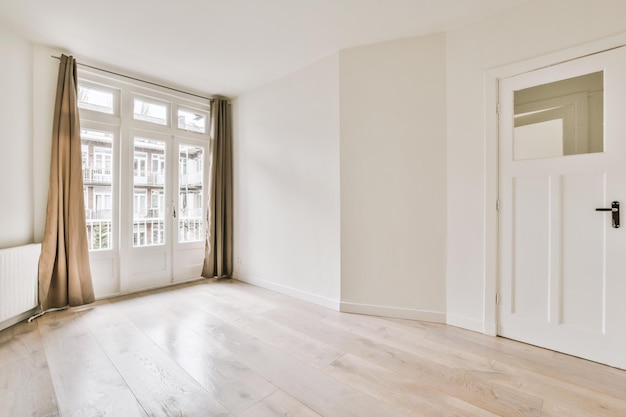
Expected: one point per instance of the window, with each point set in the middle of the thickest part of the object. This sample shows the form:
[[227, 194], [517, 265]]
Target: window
[[103, 200], [192, 120], [150, 111], [158, 163], [139, 167], [190, 189], [102, 159], [140, 141], [84, 154], [102, 163], [97, 159], [157, 203], [158, 168], [97, 98], [139, 203]]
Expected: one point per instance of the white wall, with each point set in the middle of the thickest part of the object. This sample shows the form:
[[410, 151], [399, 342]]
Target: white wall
[[393, 167], [535, 28], [28, 88], [45, 74], [16, 141], [286, 146]]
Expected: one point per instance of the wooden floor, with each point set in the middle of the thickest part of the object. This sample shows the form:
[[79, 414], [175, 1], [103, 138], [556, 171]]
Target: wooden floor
[[230, 349]]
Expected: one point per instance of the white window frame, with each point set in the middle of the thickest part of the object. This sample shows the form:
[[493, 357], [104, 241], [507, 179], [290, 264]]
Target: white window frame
[[122, 256]]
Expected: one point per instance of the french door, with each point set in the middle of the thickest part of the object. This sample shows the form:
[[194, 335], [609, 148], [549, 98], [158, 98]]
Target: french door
[[562, 191], [145, 172], [163, 210]]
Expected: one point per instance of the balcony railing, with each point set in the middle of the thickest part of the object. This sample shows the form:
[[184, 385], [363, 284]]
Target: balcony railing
[[191, 213], [97, 175], [154, 179], [156, 213], [91, 214], [99, 234], [191, 179], [190, 229]]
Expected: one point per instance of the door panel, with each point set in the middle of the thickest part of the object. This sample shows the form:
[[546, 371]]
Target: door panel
[[191, 209], [562, 155], [100, 163], [531, 247], [584, 234], [150, 246]]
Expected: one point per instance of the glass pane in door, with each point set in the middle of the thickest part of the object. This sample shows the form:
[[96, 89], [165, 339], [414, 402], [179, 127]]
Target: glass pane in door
[[97, 158], [190, 193], [560, 118], [148, 192]]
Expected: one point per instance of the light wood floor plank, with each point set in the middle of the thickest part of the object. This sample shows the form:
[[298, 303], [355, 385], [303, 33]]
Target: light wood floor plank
[[279, 404], [86, 382], [231, 383], [236, 312], [588, 374], [161, 386], [225, 348], [323, 394], [459, 383], [412, 396], [25, 382], [478, 362]]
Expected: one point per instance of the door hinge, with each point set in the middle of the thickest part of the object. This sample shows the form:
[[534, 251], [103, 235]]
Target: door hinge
[[497, 299], [498, 108], [497, 205]]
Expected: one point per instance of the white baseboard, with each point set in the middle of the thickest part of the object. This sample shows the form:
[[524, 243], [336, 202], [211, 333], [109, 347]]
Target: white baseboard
[[394, 312], [467, 323], [290, 291], [490, 329], [367, 309]]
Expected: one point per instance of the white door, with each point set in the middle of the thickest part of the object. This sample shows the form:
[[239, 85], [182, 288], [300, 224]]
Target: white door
[[562, 155], [144, 174], [190, 202], [165, 214], [148, 219]]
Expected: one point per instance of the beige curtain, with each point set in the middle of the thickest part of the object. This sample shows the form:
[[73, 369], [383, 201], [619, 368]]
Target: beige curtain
[[218, 258], [64, 273]]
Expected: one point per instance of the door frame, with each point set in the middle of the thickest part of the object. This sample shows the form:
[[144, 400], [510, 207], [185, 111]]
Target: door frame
[[492, 79]]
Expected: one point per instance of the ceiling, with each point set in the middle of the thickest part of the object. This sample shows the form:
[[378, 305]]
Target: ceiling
[[228, 46]]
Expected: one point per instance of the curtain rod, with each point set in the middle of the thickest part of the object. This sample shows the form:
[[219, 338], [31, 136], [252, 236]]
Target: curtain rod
[[137, 79]]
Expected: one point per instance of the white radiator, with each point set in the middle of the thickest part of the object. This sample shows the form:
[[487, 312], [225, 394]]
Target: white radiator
[[18, 283]]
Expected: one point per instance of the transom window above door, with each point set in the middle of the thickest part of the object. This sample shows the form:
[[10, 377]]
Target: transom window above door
[[560, 118]]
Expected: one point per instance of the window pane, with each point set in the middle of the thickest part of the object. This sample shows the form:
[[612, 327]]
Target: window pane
[[191, 120], [150, 112], [561, 118], [148, 192], [190, 184], [97, 157], [91, 98]]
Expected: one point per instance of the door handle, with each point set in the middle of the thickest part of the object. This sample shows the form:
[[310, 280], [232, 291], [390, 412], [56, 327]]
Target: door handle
[[614, 212]]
